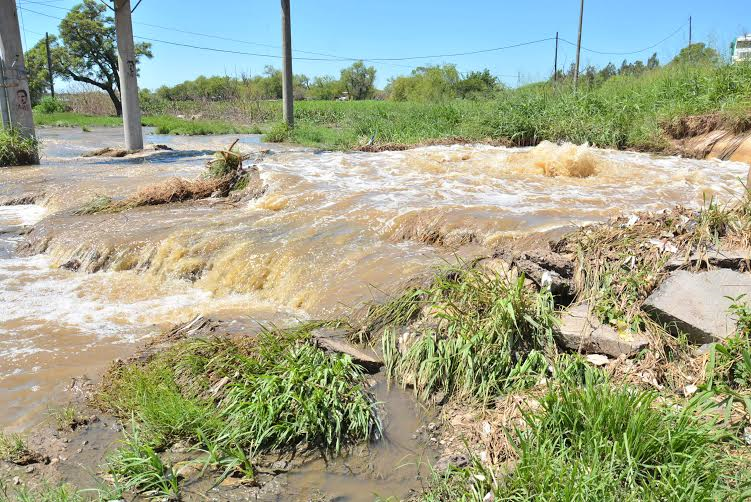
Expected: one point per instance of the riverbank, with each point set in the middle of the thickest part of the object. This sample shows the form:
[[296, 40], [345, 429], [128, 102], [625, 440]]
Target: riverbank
[[411, 262], [521, 397], [651, 113], [163, 124]]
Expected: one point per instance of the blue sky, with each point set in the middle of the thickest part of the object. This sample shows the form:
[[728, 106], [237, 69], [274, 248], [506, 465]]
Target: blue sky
[[406, 28]]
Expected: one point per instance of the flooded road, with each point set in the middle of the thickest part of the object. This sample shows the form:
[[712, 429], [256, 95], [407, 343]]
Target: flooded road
[[332, 230]]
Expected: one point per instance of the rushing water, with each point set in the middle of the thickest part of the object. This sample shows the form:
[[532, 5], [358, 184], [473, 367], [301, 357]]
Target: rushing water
[[332, 230]]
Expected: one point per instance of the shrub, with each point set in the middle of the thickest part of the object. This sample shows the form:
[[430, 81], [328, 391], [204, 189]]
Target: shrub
[[17, 149], [278, 133], [48, 104]]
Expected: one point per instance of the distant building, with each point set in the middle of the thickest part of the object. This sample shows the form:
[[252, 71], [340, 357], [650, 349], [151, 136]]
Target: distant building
[[740, 49]]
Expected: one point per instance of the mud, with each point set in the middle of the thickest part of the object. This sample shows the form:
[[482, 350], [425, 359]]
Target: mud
[[333, 230]]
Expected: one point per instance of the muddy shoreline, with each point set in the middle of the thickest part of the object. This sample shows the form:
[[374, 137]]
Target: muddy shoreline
[[326, 243]]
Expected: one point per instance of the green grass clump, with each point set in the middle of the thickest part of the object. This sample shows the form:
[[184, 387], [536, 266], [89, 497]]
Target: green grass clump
[[599, 442], [137, 467], [48, 104], [44, 493], [13, 447], [491, 336], [279, 133], [236, 400], [16, 149]]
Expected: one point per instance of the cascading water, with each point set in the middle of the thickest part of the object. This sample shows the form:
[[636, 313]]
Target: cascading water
[[333, 229]]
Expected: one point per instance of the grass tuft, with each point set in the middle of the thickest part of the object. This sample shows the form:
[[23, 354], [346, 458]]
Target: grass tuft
[[482, 335], [16, 149], [238, 398]]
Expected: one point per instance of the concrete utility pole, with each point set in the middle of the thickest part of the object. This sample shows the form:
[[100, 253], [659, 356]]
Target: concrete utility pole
[[690, 27], [49, 65], [287, 97], [579, 45], [4, 116], [15, 79], [127, 71], [555, 61]]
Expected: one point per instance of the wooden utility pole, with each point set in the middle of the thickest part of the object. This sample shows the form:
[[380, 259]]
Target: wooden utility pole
[[555, 61], [128, 73], [15, 79], [49, 65], [578, 45], [287, 97], [690, 27]]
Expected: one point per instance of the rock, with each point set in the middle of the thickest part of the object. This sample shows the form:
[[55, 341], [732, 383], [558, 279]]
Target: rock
[[107, 152], [16, 480], [581, 331], [597, 359], [546, 269], [489, 497], [697, 304], [189, 470], [447, 461], [734, 259], [280, 466], [334, 340]]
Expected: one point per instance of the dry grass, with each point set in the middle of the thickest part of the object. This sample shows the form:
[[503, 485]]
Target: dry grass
[[225, 173], [431, 227]]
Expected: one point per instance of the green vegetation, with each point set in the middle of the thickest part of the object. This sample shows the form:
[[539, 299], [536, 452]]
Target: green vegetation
[[164, 124], [85, 52], [13, 447], [16, 149], [484, 335], [48, 105], [600, 442], [44, 493], [235, 399], [624, 111]]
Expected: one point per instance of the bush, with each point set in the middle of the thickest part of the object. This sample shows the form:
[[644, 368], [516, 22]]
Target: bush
[[48, 104], [16, 149], [278, 133]]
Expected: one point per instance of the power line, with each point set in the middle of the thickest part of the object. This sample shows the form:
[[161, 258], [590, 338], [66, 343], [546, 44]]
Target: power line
[[631, 52]]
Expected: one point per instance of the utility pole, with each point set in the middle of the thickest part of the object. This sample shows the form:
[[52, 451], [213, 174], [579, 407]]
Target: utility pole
[[128, 73], [287, 97], [555, 61], [5, 122], [15, 79], [690, 27], [49, 65], [578, 45]]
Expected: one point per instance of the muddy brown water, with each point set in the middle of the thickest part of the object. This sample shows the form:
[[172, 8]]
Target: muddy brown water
[[333, 229]]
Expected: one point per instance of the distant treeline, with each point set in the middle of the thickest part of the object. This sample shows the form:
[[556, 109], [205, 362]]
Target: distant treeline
[[423, 84]]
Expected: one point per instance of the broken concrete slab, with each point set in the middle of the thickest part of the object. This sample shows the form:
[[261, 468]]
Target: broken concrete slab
[[581, 331], [334, 340], [544, 269], [734, 259], [697, 303]]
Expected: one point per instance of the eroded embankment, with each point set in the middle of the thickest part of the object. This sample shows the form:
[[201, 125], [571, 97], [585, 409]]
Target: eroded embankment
[[331, 224], [489, 343]]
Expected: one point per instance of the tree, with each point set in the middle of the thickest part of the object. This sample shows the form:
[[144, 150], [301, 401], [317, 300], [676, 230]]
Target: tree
[[477, 84], [89, 50], [653, 62], [36, 65], [325, 88], [697, 54], [359, 80]]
